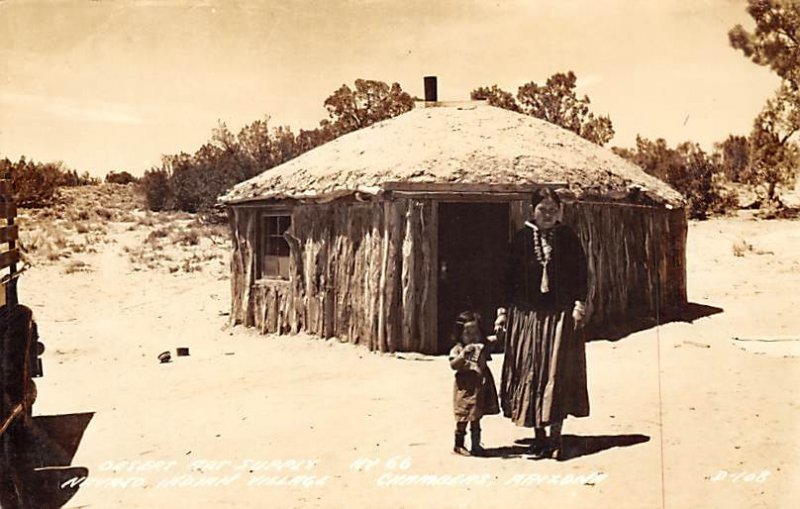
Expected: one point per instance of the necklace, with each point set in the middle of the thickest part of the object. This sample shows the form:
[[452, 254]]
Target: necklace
[[543, 248]]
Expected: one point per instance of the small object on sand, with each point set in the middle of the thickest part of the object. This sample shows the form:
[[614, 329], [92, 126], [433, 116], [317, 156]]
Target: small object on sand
[[183, 351], [230, 353], [165, 357], [694, 343]]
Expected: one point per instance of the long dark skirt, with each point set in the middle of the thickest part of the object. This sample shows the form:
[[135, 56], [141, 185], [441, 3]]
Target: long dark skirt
[[544, 369]]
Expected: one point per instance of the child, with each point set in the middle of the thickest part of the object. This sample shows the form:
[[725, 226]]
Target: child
[[474, 392]]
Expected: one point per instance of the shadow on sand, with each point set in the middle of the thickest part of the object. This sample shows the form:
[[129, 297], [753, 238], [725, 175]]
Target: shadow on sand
[[614, 332], [574, 446], [41, 461]]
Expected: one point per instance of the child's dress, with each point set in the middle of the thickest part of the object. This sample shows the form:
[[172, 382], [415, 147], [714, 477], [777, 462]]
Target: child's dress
[[474, 391]]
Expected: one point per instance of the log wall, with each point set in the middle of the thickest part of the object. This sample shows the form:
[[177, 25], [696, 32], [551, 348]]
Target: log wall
[[637, 261], [636, 257], [366, 272], [362, 272]]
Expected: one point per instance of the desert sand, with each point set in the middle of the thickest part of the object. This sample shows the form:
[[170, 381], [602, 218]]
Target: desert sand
[[682, 415]]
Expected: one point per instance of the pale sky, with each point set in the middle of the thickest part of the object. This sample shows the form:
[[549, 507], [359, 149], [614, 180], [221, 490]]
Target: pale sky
[[113, 85]]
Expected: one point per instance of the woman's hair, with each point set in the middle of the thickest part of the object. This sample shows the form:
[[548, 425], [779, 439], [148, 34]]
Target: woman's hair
[[544, 192], [463, 319]]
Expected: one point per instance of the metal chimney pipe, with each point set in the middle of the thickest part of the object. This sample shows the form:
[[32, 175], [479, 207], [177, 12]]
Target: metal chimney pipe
[[431, 94]]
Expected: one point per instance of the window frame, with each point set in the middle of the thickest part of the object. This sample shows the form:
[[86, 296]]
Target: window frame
[[282, 272]]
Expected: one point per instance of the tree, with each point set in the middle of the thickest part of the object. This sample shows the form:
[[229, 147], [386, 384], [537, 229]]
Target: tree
[[194, 182], [34, 183], [773, 158], [495, 96], [735, 157], [556, 102], [775, 42], [157, 187], [687, 168], [121, 177], [370, 102]]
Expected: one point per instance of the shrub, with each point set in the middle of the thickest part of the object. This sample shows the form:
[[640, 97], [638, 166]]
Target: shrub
[[34, 184], [687, 168], [104, 213], [77, 266], [122, 177], [188, 238], [157, 189]]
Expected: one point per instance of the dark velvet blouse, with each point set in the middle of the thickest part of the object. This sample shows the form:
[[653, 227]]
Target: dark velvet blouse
[[566, 271]]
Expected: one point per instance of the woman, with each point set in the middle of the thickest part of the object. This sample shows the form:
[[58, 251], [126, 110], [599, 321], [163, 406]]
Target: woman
[[544, 369]]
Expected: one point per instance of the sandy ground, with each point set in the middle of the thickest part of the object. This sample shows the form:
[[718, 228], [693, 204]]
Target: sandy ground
[[682, 415]]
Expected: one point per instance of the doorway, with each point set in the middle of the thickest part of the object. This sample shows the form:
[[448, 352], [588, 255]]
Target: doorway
[[473, 240]]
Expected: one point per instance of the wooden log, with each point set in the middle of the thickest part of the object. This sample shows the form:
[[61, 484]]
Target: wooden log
[[409, 279], [376, 272], [237, 269], [9, 233], [466, 187], [430, 277], [384, 277], [249, 250], [8, 258], [394, 211], [8, 209], [296, 280]]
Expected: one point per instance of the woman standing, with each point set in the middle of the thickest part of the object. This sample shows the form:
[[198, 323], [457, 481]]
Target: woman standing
[[544, 369]]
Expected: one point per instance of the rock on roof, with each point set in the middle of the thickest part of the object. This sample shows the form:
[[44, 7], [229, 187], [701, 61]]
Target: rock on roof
[[472, 144]]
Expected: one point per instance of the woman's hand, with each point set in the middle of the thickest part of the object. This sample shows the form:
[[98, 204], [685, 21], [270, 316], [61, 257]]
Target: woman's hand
[[500, 324], [579, 314]]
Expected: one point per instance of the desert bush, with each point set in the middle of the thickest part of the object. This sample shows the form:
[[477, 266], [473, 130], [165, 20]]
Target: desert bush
[[198, 184], [158, 191], [188, 237], [146, 220], [122, 177], [104, 213], [690, 170], [159, 233], [34, 183], [77, 266]]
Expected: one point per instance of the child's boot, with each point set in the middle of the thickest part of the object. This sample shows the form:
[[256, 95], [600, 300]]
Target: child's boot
[[475, 437], [459, 448]]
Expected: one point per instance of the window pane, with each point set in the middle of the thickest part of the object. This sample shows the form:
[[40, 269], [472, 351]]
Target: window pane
[[274, 248], [271, 266], [283, 267], [283, 223], [282, 247]]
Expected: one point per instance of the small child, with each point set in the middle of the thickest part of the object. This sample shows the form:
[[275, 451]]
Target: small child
[[474, 392]]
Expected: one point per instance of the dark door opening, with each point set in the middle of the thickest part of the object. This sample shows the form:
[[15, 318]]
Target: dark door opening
[[473, 239]]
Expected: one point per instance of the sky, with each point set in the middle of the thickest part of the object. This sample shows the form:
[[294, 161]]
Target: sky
[[112, 85]]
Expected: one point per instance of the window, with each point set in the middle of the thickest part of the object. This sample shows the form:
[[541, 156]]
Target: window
[[274, 250]]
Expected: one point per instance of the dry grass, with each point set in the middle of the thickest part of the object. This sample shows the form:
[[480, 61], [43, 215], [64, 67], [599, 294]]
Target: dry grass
[[83, 220], [77, 222], [77, 266], [179, 243]]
